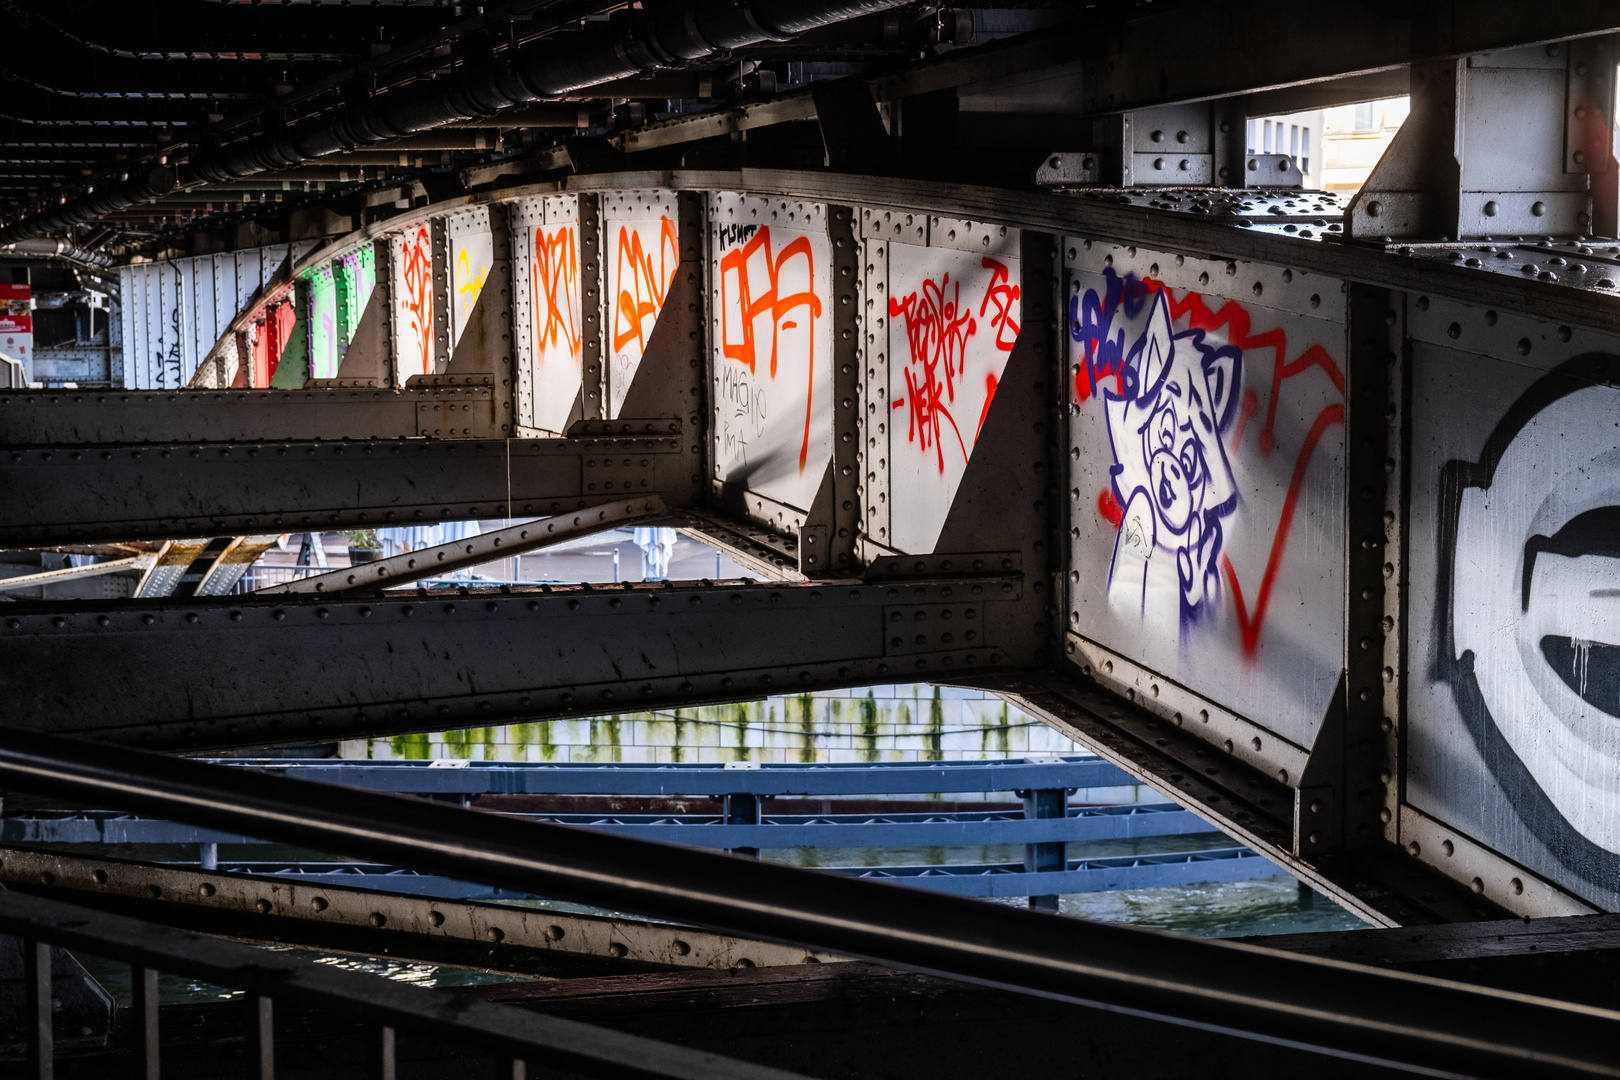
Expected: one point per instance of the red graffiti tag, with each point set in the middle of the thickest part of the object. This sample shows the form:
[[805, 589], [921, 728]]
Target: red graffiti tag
[[1250, 625], [417, 270], [647, 286], [1236, 320], [1003, 295], [938, 327], [1109, 507], [763, 297], [556, 288], [937, 332]]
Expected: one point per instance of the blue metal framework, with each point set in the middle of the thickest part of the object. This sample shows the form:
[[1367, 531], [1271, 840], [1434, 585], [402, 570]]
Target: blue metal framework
[[700, 830], [759, 831]]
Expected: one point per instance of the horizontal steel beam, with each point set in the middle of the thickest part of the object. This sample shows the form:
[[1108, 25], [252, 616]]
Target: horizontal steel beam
[[51, 418], [1148, 226], [1336, 1008], [1184, 53], [290, 668], [205, 489], [878, 778]]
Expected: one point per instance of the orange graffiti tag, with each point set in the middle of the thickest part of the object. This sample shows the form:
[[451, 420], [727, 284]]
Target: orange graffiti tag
[[753, 301], [645, 296], [556, 289], [417, 271]]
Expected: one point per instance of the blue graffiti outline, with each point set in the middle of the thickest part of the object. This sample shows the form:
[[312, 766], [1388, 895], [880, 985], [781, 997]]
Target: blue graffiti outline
[[1092, 323]]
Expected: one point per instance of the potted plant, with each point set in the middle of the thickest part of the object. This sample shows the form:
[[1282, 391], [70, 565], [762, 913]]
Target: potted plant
[[364, 546]]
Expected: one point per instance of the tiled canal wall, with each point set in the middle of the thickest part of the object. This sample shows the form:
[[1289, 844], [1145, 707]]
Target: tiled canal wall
[[908, 722]]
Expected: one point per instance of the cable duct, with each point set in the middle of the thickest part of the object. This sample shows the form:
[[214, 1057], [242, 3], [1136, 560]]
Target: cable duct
[[56, 249], [633, 42], [139, 189]]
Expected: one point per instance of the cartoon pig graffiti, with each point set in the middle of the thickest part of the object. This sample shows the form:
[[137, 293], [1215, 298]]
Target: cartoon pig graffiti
[[1171, 474]]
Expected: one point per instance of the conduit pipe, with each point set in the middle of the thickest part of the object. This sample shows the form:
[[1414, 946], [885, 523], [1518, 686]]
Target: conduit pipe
[[1430, 1025], [633, 42], [140, 188], [57, 249]]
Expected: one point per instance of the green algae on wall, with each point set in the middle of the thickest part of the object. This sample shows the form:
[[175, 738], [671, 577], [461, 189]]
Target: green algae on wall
[[523, 736], [461, 743], [742, 731], [607, 743], [936, 729], [807, 728], [869, 727], [417, 747], [907, 722]]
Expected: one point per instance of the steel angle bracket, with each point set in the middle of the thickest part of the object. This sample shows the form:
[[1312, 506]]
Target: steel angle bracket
[[755, 548], [1203, 719], [443, 559], [322, 915], [1380, 884]]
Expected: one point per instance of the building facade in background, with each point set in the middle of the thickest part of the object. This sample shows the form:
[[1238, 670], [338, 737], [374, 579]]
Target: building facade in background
[[1334, 148]]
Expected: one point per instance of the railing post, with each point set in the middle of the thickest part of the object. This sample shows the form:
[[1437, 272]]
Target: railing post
[[38, 1003], [383, 1054], [1045, 857], [143, 983], [261, 1039], [741, 808]]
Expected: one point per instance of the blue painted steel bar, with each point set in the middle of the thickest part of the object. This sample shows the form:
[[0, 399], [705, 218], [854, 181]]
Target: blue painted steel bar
[[701, 830], [925, 830], [879, 778], [109, 827], [983, 880], [1086, 875]]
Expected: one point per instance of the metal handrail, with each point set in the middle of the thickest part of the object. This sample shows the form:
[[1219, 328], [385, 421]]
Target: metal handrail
[[1338, 1008], [515, 1036], [769, 778], [869, 830]]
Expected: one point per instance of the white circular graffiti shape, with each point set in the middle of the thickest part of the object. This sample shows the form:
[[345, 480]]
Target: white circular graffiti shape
[[1536, 601]]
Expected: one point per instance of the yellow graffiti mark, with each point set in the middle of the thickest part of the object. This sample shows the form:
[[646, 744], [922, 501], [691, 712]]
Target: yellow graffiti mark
[[471, 284]]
